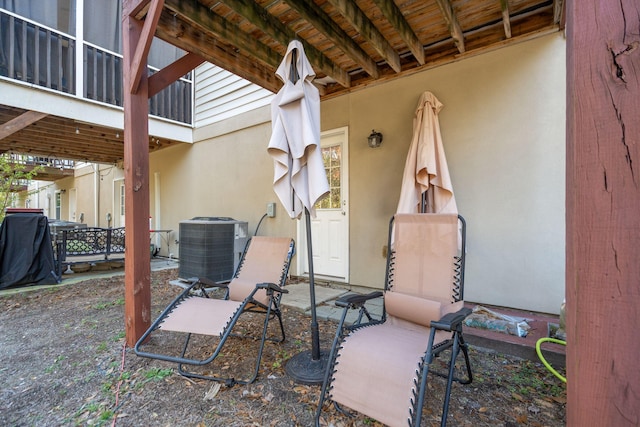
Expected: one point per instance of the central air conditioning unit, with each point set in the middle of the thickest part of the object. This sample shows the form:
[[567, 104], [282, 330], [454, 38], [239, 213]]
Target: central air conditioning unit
[[211, 247]]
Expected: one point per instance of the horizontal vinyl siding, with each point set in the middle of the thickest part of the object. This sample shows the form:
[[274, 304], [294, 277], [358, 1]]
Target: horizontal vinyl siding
[[220, 95]]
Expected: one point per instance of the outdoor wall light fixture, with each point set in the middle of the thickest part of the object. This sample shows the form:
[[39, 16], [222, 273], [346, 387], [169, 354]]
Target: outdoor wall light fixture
[[375, 139]]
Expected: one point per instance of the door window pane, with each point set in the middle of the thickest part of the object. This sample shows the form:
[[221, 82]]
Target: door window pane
[[122, 200], [332, 159]]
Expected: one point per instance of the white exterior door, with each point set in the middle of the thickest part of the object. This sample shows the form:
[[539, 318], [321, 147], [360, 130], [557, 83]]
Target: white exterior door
[[330, 228], [118, 205]]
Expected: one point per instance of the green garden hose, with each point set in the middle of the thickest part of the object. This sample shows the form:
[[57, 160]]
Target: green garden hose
[[544, 361]]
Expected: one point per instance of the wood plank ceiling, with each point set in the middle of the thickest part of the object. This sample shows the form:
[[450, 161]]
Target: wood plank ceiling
[[351, 45], [36, 134]]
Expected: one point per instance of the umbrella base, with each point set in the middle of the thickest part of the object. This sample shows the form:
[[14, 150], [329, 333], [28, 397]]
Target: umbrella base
[[303, 369]]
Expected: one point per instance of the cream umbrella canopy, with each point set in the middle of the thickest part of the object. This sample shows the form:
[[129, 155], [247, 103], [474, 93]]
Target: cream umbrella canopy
[[299, 176], [299, 180], [426, 184]]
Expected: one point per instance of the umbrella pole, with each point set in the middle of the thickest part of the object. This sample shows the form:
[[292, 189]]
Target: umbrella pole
[[315, 336], [309, 367]]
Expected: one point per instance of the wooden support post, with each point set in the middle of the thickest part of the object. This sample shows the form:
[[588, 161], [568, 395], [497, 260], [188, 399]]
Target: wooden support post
[[137, 269], [603, 212]]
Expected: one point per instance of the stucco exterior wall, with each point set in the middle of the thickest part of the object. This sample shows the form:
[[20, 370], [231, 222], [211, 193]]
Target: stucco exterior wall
[[226, 176], [503, 127]]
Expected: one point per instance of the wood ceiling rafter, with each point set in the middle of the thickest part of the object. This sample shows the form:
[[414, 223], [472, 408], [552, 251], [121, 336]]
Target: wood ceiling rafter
[[216, 52], [452, 23], [267, 23], [559, 12], [315, 16], [365, 27], [349, 43], [209, 22], [352, 44], [62, 138], [506, 20], [397, 20]]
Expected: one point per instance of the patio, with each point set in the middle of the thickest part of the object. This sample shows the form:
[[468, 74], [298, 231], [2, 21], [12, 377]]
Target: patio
[[79, 371]]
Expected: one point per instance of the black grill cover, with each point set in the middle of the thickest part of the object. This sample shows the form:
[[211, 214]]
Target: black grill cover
[[26, 254]]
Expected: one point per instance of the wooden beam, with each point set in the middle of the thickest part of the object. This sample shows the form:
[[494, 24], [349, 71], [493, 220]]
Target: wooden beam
[[559, 13], [395, 18], [219, 28], [363, 25], [173, 72], [144, 44], [267, 23], [137, 269], [452, 22], [135, 8], [603, 202], [189, 38], [506, 19], [315, 16], [20, 122]]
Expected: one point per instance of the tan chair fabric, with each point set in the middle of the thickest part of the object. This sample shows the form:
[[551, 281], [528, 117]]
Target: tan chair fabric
[[376, 369], [376, 366], [264, 262], [418, 310], [206, 316], [425, 252]]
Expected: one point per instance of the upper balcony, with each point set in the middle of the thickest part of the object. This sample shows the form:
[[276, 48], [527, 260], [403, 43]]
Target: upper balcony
[[48, 168], [61, 96], [35, 54]]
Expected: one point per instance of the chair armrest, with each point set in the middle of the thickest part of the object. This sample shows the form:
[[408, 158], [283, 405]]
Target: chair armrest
[[210, 283], [356, 300], [451, 321], [272, 287]]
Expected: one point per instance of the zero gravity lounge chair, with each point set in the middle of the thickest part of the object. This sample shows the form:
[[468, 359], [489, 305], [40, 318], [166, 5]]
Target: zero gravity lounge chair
[[380, 367], [256, 287]]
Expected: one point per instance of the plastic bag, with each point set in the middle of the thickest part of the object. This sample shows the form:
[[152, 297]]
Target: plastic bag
[[484, 318]]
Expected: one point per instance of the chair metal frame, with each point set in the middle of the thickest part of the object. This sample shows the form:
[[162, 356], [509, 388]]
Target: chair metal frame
[[451, 322], [202, 288]]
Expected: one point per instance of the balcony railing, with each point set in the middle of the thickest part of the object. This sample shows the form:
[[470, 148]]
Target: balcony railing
[[35, 54], [45, 57], [19, 186], [48, 162]]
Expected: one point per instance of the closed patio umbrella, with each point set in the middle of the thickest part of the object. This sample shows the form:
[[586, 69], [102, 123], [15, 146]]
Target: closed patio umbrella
[[426, 184], [299, 177]]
